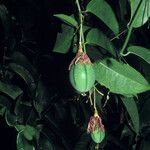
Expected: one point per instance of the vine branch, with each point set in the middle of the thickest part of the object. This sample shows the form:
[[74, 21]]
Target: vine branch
[[81, 33], [130, 29], [126, 40]]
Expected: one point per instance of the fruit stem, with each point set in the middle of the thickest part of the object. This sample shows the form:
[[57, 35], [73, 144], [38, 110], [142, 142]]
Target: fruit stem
[[90, 98], [97, 146], [99, 92], [81, 33], [94, 105]]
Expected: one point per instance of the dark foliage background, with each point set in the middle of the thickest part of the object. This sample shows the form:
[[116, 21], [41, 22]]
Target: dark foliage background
[[30, 28], [34, 29]]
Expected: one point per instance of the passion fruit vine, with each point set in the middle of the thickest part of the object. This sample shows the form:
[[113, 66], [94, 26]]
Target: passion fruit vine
[[81, 75]]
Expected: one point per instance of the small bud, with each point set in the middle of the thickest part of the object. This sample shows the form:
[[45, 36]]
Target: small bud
[[96, 128]]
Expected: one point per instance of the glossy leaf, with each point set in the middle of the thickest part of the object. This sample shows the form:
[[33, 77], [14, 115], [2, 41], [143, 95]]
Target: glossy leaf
[[141, 52], [20, 128], [23, 144], [123, 9], [56, 127], [45, 144], [2, 110], [132, 110], [120, 78], [126, 133], [5, 102], [74, 44], [95, 37], [24, 74], [20, 59], [44, 98], [94, 53], [145, 111], [140, 9], [10, 118], [28, 131], [83, 142], [67, 19], [10, 90], [6, 20], [63, 41], [22, 108], [145, 144], [104, 12]]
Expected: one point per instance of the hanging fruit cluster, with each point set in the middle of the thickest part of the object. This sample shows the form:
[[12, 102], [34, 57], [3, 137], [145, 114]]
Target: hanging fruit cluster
[[82, 78]]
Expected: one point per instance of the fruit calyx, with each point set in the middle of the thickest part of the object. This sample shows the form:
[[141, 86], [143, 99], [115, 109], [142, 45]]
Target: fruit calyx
[[95, 121], [81, 57], [96, 128]]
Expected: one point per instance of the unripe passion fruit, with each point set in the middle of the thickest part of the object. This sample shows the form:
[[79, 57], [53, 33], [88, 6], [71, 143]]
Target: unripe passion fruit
[[82, 76], [98, 135], [96, 128]]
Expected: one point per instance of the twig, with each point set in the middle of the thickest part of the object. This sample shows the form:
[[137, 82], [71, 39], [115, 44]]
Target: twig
[[118, 35]]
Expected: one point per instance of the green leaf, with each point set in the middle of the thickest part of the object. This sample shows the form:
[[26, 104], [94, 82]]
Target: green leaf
[[95, 37], [120, 78], [74, 46], [5, 20], [104, 12], [126, 133], [20, 59], [2, 110], [24, 74], [145, 111], [145, 144], [42, 98], [67, 19], [5, 102], [83, 142], [142, 10], [28, 131], [10, 118], [123, 9], [94, 53], [141, 52], [45, 144], [132, 110], [20, 128], [63, 41], [23, 144], [56, 127], [23, 111], [10, 90]]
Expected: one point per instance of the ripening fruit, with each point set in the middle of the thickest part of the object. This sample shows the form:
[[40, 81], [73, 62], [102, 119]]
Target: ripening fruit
[[82, 76], [98, 135]]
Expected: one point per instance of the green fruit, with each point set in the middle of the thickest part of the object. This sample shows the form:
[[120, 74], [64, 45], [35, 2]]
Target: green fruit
[[82, 77], [98, 135]]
